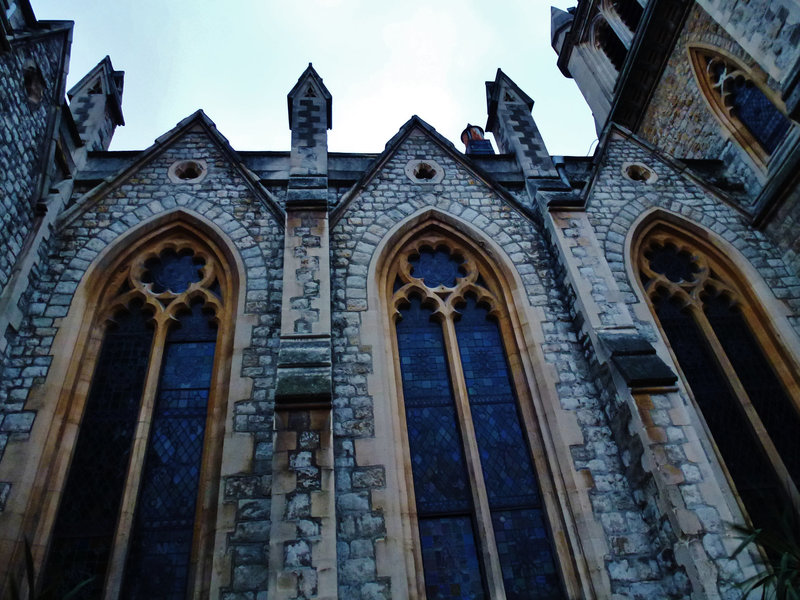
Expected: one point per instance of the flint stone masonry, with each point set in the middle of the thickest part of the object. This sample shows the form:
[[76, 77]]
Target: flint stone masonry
[[223, 199], [386, 201], [769, 30], [612, 210], [618, 203], [678, 118], [23, 127]]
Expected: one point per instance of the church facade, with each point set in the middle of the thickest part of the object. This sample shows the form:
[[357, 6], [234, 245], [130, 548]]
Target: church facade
[[435, 372]]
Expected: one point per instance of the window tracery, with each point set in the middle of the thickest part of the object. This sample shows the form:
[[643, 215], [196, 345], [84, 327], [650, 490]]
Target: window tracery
[[738, 100], [127, 514], [742, 381], [481, 518]]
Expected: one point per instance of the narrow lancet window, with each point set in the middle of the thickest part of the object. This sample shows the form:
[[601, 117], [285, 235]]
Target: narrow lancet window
[[711, 325], [87, 517], [128, 513], [481, 519], [161, 545]]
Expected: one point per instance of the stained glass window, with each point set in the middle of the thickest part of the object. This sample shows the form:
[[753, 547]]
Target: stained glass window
[[105, 464], [452, 551], [436, 267], [728, 371], [161, 544], [767, 124], [441, 484], [523, 544], [87, 517], [734, 95]]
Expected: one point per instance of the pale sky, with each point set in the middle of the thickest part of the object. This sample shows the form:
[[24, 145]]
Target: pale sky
[[382, 62]]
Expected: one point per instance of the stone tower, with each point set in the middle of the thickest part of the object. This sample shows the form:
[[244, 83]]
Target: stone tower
[[425, 373]]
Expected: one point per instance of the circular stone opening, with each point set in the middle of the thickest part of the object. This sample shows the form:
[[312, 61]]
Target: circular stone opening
[[187, 171], [424, 171], [639, 172]]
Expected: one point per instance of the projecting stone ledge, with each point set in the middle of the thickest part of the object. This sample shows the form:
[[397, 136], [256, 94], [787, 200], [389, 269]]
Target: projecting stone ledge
[[637, 361], [304, 373]]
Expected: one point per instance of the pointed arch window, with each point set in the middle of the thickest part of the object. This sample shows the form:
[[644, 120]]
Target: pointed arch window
[[483, 529], [743, 382], [740, 102], [127, 517], [608, 43]]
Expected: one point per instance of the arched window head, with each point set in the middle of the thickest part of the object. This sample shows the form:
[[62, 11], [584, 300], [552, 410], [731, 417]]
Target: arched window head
[[740, 102], [743, 382], [623, 17], [606, 40], [481, 517], [128, 512]]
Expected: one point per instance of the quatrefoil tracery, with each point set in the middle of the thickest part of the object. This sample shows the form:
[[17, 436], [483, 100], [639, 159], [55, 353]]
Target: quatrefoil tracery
[[174, 263], [703, 280], [443, 298]]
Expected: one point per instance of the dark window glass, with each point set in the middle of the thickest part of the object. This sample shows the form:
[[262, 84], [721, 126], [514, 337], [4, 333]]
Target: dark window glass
[[441, 484], [630, 11], [767, 395], [676, 266], [87, 517], [526, 556], [173, 272], [158, 563], [610, 44], [752, 473], [436, 267], [761, 117]]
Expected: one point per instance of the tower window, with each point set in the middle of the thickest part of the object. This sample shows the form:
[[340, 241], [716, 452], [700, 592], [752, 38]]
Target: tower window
[[126, 518], [743, 107]]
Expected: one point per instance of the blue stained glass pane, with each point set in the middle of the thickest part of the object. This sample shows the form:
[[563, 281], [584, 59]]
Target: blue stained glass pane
[[161, 545], [437, 456], [506, 463], [767, 124], [436, 267], [441, 484], [187, 365], [437, 463], [88, 512], [450, 559], [525, 554], [173, 272]]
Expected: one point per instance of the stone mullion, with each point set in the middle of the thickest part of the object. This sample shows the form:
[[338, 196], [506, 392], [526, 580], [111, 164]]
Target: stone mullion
[[480, 498], [741, 395], [122, 539]]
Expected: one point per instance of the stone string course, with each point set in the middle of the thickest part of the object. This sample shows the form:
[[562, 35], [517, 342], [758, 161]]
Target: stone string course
[[632, 559]]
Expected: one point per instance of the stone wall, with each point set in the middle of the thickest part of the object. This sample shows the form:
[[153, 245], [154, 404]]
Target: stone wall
[[224, 199], [679, 120], [388, 199], [768, 29], [613, 207], [23, 127]]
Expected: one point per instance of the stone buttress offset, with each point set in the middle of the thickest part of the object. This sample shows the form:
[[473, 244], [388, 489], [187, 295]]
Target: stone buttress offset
[[303, 540]]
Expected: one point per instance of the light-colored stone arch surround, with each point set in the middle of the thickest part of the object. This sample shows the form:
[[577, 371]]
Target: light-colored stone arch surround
[[758, 288], [59, 401], [579, 538], [709, 494], [753, 254]]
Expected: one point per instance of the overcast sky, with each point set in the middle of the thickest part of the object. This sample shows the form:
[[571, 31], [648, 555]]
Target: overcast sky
[[382, 61]]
